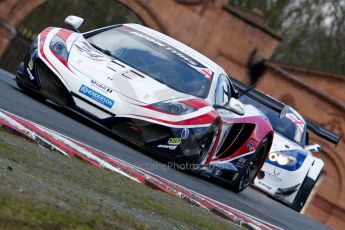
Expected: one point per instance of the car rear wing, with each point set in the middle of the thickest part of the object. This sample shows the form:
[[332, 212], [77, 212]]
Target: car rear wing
[[323, 132], [259, 97], [281, 108]]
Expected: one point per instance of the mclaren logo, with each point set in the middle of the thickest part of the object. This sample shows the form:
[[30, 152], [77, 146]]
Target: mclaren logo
[[185, 133], [277, 171]]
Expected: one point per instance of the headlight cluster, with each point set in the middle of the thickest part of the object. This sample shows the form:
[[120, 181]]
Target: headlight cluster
[[175, 108], [282, 159], [58, 47]]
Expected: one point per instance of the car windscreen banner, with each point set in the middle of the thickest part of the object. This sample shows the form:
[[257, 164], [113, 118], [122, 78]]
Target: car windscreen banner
[[166, 49]]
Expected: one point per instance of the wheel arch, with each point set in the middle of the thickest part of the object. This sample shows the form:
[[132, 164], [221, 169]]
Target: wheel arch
[[269, 137], [44, 71]]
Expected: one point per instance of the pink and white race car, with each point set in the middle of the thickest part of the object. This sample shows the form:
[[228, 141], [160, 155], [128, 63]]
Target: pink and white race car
[[154, 91]]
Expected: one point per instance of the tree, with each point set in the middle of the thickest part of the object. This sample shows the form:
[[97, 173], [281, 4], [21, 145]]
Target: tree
[[313, 30]]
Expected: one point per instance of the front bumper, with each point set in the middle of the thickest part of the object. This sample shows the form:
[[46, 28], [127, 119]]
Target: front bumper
[[226, 172], [279, 183], [170, 143]]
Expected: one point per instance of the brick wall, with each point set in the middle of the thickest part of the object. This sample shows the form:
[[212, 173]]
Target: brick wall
[[228, 37]]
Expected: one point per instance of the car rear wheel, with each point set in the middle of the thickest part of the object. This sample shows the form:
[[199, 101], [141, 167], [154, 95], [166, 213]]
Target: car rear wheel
[[252, 169]]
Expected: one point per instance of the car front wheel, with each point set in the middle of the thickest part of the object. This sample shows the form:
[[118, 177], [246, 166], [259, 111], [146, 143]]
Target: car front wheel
[[252, 167]]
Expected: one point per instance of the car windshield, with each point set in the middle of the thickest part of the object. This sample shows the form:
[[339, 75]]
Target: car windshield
[[291, 125], [156, 59]]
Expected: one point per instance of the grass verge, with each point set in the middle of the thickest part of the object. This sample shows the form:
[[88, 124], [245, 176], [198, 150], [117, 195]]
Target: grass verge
[[42, 189]]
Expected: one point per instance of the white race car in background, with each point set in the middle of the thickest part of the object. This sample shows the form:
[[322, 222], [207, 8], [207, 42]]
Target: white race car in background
[[291, 169]]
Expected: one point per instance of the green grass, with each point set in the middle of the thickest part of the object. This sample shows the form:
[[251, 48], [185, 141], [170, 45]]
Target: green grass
[[42, 189]]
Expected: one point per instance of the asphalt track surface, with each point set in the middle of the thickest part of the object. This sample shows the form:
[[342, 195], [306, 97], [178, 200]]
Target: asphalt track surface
[[249, 201]]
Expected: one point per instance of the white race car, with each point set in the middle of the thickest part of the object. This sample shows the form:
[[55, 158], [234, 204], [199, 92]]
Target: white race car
[[154, 91], [291, 169]]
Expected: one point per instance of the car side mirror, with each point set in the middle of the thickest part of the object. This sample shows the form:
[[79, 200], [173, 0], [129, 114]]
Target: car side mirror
[[313, 148], [74, 21], [236, 106], [233, 105]]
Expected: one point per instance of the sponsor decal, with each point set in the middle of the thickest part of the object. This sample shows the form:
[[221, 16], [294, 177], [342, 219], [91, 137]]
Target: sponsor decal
[[185, 133], [185, 58], [31, 64], [30, 67], [209, 168], [96, 96], [218, 172], [206, 72], [241, 162], [265, 185], [174, 141], [295, 120], [30, 74], [87, 50], [173, 51], [171, 147], [250, 146], [101, 86]]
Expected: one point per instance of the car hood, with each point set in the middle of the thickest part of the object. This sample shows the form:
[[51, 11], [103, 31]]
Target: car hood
[[281, 143], [92, 64]]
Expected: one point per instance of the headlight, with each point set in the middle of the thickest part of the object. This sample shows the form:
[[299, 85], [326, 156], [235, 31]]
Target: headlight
[[175, 108], [282, 159], [59, 48], [273, 157]]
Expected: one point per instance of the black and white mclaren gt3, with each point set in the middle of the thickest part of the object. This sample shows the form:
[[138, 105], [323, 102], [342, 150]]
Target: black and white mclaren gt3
[[291, 169], [154, 91]]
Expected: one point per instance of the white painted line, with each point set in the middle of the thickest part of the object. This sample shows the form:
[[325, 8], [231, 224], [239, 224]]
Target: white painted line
[[30, 133]]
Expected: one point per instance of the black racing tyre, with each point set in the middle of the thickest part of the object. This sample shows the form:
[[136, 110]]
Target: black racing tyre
[[21, 86], [303, 193], [252, 168], [29, 91]]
